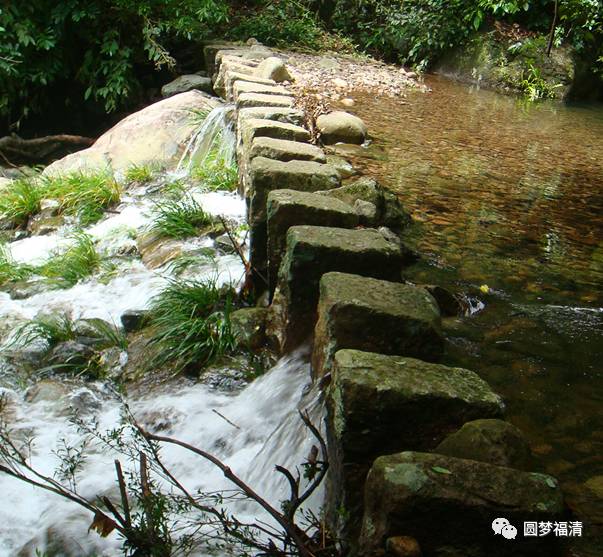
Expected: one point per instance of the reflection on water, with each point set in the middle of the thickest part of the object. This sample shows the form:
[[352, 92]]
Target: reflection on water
[[511, 196]]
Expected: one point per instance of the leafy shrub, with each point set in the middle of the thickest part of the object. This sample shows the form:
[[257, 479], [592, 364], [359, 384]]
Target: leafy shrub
[[191, 326]]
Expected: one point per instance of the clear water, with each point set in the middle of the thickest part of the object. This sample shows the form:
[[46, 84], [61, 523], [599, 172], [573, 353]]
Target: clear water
[[510, 195]]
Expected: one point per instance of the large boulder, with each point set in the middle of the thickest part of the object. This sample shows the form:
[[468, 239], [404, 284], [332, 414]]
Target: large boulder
[[381, 404], [448, 505], [375, 316], [156, 134], [184, 83], [273, 68], [313, 251], [287, 208], [341, 127], [494, 441]]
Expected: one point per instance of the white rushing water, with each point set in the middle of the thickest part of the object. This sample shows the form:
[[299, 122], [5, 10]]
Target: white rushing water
[[267, 429]]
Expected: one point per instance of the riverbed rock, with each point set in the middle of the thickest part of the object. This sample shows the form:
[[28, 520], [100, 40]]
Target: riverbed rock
[[448, 505], [403, 546], [367, 212], [273, 68], [494, 441], [285, 150], [253, 100], [249, 327], [40, 225], [390, 211], [376, 316], [313, 251], [70, 354], [287, 208], [449, 304], [46, 390], [155, 251], [22, 289], [341, 127], [156, 134], [266, 175], [344, 167], [185, 83], [90, 331], [134, 320]]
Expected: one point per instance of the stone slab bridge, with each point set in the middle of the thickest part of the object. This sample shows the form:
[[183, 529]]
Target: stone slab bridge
[[421, 461]]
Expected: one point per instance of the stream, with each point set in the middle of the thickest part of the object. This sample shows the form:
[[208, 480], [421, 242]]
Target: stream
[[249, 427], [507, 197]]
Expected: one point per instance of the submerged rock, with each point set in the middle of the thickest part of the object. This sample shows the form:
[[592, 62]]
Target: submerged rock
[[494, 441], [341, 127]]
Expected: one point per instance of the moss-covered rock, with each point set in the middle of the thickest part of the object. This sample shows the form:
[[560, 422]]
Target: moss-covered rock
[[249, 327], [375, 316], [287, 208], [448, 505], [494, 441], [313, 251]]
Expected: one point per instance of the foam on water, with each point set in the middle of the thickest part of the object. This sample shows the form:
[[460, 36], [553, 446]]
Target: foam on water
[[268, 432]]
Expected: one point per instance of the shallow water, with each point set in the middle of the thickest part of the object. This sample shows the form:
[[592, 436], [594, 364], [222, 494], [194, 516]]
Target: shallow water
[[509, 195]]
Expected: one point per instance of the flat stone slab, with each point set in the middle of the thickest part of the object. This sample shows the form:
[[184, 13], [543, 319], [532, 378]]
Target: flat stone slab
[[449, 505], [380, 404], [375, 316], [287, 115], [240, 87], [285, 150], [313, 251], [287, 208], [266, 175], [252, 128], [231, 77], [247, 100]]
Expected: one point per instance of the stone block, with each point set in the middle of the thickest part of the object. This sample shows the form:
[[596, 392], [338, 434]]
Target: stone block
[[375, 316], [231, 77], [251, 128], [252, 100], [312, 251], [240, 87], [448, 505], [249, 327], [285, 150], [287, 208], [286, 115]]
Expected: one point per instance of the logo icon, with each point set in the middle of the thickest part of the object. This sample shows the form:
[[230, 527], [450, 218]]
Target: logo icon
[[498, 524]]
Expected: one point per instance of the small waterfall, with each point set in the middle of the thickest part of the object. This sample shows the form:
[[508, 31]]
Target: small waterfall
[[267, 431], [217, 130]]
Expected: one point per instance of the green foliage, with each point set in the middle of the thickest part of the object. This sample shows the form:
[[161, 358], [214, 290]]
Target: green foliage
[[78, 261], [535, 87], [191, 325], [106, 335], [85, 196], [179, 218], [95, 46], [216, 173], [10, 270], [141, 174], [19, 200]]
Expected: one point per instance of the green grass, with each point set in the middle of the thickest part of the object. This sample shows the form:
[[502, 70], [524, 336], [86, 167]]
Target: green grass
[[187, 260], [179, 218], [216, 173], [80, 260], [51, 329], [10, 270], [85, 196], [190, 323], [19, 200], [142, 173]]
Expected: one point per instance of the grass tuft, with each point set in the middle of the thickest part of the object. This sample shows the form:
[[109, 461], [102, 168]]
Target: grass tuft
[[141, 174], [191, 325], [179, 218], [85, 196], [78, 261], [10, 270], [19, 200], [216, 173], [50, 329]]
